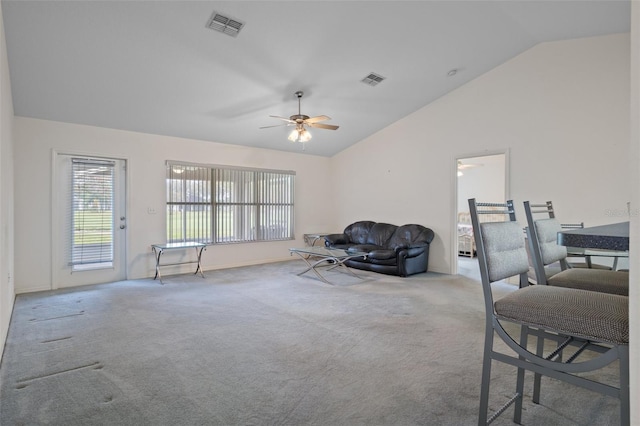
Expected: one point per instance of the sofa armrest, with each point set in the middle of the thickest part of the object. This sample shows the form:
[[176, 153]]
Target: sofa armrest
[[333, 239], [413, 251], [413, 260]]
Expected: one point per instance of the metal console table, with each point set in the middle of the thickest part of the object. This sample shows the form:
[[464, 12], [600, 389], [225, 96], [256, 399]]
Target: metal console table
[[310, 239], [158, 249]]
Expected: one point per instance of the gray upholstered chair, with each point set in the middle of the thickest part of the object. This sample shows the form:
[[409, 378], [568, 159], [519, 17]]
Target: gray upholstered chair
[[544, 249], [595, 323]]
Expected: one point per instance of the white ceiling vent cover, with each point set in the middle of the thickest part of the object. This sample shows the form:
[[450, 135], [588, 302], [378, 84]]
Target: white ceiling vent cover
[[373, 79], [224, 24]]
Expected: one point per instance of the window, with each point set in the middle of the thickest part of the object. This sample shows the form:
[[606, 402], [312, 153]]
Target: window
[[216, 205], [91, 212]]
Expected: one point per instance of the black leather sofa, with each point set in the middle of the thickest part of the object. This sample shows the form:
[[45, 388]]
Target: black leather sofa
[[394, 250]]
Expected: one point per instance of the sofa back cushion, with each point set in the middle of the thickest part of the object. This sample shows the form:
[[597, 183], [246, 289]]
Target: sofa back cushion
[[380, 233], [410, 235], [358, 231]]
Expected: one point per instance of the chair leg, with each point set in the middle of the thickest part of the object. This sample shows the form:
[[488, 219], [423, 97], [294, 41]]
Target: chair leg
[[623, 358], [517, 413], [486, 376], [537, 377]]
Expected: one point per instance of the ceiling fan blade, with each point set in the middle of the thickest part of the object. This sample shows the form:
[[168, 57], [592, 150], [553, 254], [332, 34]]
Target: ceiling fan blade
[[316, 119], [277, 125], [282, 118], [323, 126]]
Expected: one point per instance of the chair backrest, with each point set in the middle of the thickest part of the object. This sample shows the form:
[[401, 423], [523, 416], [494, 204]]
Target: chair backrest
[[542, 235], [500, 246]]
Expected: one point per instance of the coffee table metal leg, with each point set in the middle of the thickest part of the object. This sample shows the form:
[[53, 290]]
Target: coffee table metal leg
[[331, 260], [340, 263], [313, 267]]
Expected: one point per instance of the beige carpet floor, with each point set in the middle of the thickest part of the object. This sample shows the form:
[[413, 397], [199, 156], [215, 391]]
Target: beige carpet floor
[[262, 346]]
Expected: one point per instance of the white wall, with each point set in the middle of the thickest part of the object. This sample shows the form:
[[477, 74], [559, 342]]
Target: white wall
[[146, 155], [6, 193], [560, 108], [634, 252]]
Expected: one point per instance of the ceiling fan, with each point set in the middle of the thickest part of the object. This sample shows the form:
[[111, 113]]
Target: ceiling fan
[[300, 121]]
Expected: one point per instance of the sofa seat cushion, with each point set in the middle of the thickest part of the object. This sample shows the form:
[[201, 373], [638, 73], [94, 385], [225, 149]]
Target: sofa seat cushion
[[382, 254], [341, 246], [364, 247], [389, 262]]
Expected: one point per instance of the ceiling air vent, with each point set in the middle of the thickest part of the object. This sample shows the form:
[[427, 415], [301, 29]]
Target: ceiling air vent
[[224, 24], [373, 79]]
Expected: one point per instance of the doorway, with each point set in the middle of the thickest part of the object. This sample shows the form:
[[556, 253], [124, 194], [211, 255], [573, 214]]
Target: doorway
[[485, 178], [89, 218]]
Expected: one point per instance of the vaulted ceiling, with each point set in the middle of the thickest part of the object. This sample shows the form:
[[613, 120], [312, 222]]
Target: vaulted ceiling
[[155, 67]]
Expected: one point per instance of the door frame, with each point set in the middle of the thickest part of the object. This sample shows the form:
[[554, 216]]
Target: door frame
[[454, 202], [55, 210]]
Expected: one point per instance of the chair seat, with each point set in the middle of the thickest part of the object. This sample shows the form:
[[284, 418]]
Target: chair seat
[[613, 282], [587, 314]]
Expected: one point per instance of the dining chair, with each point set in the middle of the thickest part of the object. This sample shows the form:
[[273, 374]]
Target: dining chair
[[544, 249], [594, 324]]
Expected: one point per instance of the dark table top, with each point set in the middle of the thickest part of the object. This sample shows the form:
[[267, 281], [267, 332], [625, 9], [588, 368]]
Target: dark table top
[[607, 237]]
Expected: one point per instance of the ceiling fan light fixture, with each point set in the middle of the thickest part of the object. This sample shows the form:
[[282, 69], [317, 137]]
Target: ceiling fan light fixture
[[299, 134], [304, 136]]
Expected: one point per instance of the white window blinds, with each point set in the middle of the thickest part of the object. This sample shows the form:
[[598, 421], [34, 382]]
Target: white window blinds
[[92, 223], [188, 203], [228, 205]]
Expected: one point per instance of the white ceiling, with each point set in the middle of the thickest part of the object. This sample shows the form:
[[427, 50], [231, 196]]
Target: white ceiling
[[153, 66]]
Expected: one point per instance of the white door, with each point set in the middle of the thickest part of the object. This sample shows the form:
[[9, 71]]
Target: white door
[[89, 218]]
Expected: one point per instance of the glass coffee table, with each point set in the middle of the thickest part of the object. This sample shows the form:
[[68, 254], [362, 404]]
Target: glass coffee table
[[316, 257]]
